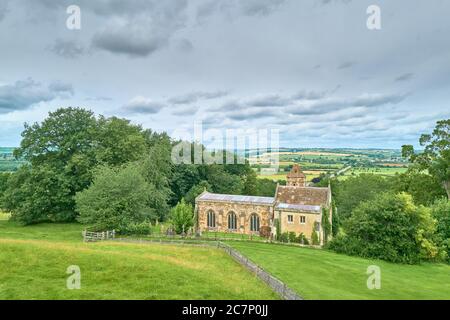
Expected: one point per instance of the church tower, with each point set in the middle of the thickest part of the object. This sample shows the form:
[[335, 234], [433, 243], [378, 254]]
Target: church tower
[[296, 178]]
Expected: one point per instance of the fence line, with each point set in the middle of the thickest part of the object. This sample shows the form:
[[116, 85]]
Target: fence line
[[98, 236], [277, 285]]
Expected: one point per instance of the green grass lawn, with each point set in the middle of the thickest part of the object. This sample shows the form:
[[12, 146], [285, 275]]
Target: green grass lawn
[[34, 261], [321, 274]]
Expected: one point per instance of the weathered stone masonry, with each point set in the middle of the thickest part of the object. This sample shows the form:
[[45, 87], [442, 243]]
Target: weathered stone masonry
[[298, 208]]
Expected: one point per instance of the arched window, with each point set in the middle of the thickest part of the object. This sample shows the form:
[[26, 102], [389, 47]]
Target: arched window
[[254, 223], [232, 221], [211, 219]]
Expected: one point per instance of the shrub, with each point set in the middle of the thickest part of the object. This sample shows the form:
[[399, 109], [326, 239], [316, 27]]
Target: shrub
[[315, 238], [182, 216], [284, 237], [390, 227], [265, 232], [143, 228], [301, 238]]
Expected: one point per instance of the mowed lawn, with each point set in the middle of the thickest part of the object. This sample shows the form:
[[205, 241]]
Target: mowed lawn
[[34, 260], [321, 274]]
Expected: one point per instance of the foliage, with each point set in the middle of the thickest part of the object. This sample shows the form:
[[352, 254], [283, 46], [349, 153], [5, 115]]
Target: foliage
[[301, 238], [348, 194], [335, 221], [315, 237], [182, 217], [424, 188], [141, 228], [326, 224], [265, 232], [390, 227], [117, 198], [436, 154], [196, 190], [38, 194], [63, 151], [440, 211], [3, 185], [265, 187]]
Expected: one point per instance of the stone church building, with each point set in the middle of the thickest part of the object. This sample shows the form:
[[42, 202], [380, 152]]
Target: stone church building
[[297, 207]]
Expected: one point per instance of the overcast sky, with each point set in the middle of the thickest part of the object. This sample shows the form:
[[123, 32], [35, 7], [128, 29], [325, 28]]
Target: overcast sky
[[310, 68]]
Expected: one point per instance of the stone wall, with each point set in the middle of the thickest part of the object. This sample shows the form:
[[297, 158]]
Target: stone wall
[[243, 213], [296, 226]]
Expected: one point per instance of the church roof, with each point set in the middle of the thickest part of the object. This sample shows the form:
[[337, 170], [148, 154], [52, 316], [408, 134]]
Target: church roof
[[206, 196], [310, 196], [298, 207]]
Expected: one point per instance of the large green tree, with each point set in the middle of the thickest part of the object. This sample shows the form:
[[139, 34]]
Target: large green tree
[[435, 157], [117, 198], [62, 152], [389, 227]]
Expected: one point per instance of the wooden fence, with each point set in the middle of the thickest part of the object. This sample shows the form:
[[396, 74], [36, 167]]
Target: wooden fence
[[98, 236]]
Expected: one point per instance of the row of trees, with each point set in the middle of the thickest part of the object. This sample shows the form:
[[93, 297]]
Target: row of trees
[[108, 173], [405, 218]]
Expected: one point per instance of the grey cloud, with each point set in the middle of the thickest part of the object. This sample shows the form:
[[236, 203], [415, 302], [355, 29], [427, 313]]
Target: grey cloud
[[67, 49], [333, 104], [346, 65], [25, 93], [404, 77], [196, 96], [141, 27], [184, 45], [235, 8], [143, 105], [309, 95], [185, 111], [125, 41], [260, 7], [273, 100], [3, 9], [242, 115]]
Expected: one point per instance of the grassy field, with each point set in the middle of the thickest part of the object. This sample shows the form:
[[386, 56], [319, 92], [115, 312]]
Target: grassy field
[[321, 274], [385, 171], [34, 261]]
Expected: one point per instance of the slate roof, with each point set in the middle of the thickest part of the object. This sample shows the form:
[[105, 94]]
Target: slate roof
[[298, 207], [206, 196], [310, 196]]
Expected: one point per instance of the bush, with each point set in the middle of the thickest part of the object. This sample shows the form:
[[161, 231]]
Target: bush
[[315, 238], [284, 237], [265, 232], [143, 228], [292, 237], [441, 212], [182, 217], [301, 238], [390, 227], [117, 199]]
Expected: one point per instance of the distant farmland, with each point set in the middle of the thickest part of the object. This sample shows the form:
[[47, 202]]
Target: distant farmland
[[317, 162]]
